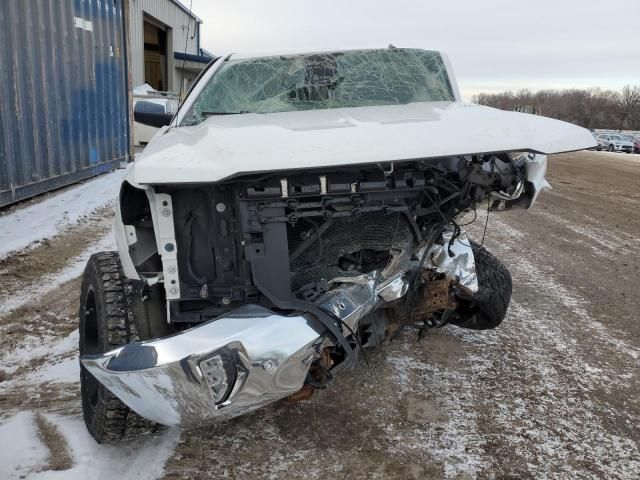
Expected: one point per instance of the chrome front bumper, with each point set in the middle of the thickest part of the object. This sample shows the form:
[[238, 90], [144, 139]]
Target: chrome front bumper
[[234, 364], [252, 356], [218, 370]]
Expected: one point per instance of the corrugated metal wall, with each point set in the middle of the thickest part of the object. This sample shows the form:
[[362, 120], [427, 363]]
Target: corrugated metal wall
[[167, 12], [63, 93]]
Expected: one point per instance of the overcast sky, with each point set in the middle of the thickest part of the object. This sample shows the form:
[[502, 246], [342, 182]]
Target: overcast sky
[[493, 44]]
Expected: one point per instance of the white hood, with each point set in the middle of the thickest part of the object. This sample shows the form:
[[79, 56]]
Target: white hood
[[229, 145]]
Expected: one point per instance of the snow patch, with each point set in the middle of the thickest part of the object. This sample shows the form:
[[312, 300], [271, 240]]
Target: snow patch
[[141, 459], [24, 226], [555, 292], [22, 450], [558, 293], [448, 443], [37, 347], [23, 455], [563, 407], [65, 370], [51, 282], [61, 363]]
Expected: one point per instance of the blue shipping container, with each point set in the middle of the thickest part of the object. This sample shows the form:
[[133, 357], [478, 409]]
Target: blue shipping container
[[63, 93]]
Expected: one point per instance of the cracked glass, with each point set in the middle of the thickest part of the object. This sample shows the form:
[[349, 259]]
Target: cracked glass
[[355, 78]]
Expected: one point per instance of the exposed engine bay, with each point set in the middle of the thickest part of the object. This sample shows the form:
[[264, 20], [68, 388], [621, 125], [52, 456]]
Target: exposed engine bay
[[284, 236]]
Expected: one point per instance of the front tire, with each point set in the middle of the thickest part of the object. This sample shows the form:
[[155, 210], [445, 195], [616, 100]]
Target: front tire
[[488, 306], [106, 322]]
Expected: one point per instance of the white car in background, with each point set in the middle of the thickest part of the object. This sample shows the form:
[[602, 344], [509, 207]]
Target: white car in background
[[614, 143], [151, 106]]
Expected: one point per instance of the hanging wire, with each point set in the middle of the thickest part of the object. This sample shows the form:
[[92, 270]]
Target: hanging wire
[[186, 43], [486, 222]]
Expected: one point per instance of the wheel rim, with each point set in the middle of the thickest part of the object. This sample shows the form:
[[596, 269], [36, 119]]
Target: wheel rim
[[91, 345]]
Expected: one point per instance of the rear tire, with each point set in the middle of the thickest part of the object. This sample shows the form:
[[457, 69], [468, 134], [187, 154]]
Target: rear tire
[[488, 306], [106, 322]]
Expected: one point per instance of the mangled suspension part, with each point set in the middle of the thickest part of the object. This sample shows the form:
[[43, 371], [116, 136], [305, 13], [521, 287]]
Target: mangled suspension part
[[436, 294], [449, 272], [318, 378]]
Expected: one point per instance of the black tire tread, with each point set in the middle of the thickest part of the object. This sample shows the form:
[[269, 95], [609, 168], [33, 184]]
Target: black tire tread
[[491, 301], [111, 420]]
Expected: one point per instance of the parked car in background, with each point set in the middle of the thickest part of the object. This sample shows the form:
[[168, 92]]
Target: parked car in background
[[152, 106], [635, 140], [614, 143], [527, 109], [597, 147]]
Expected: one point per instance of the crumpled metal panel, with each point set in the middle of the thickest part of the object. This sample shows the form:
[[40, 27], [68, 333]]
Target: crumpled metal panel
[[460, 267], [162, 379], [358, 296]]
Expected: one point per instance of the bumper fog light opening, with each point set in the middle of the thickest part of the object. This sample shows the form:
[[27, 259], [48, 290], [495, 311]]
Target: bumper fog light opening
[[219, 372]]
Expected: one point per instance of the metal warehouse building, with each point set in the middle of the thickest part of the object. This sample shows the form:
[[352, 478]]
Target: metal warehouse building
[[66, 72], [165, 45]]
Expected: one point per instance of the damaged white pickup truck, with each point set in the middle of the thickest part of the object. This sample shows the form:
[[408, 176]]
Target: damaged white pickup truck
[[297, 209]]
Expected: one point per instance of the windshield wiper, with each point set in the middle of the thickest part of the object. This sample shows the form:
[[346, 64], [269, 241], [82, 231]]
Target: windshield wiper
[[211, 114]]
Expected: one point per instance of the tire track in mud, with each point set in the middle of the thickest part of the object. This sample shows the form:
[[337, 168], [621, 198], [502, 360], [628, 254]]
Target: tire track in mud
[[544, 413], [28, 274], [539, 280], [39, 317], [603, 241], [570, 405]]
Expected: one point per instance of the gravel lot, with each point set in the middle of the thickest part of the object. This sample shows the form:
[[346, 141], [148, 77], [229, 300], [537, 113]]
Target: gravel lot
[[553, 393]]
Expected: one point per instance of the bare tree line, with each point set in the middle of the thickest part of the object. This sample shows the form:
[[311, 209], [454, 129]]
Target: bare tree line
[[593, 108]]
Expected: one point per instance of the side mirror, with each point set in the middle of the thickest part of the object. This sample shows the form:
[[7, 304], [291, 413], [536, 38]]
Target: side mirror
[[151, 114]]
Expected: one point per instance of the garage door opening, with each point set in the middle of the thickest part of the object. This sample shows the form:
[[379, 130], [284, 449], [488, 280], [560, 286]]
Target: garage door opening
[[155, 55]]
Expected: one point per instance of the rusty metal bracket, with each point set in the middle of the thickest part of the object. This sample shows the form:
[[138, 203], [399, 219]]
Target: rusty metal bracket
[[436, 294]]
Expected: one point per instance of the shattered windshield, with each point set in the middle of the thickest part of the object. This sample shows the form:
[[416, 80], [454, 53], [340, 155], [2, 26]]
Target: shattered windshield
[[324, 80]]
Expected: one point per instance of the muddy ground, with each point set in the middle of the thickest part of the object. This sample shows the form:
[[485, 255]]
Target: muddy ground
[[552, 393]]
